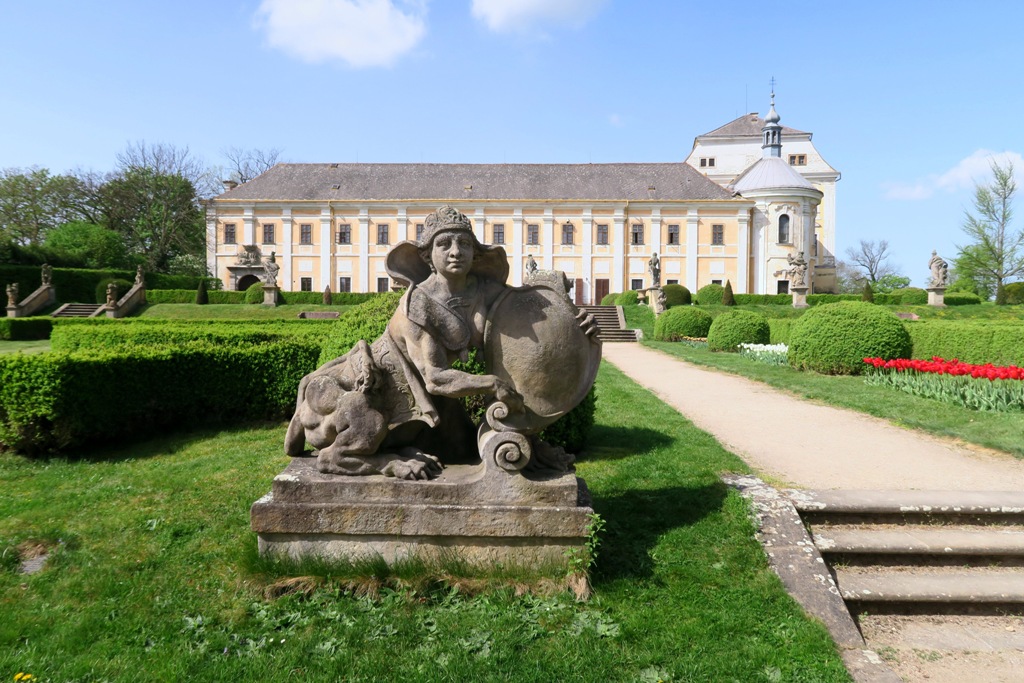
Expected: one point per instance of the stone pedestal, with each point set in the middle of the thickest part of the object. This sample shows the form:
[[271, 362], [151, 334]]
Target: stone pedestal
[[481, 514], [799, 296], [937, 297], [270, 295], [13, 312]]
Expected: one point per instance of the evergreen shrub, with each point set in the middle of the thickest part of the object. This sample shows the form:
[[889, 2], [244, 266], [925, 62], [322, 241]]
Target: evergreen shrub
[[961, 299], [733, 328], [710, 295], [628, 298], [78, 285], [765, 299], [254, 294], [101, 289], [25, 329], [911, 296], [1014, 293], [202, 298], [868, 294], [818, 299], [676, 295], [972, 341], [780, 329], [140, 333], [609, 299], [728, 299], [834, 339], [683, 321]]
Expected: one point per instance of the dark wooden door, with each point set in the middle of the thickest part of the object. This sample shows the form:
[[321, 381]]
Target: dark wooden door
[[600, 290], [578, 289]]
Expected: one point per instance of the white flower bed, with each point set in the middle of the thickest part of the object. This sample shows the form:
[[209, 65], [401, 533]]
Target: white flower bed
[[769, 354]]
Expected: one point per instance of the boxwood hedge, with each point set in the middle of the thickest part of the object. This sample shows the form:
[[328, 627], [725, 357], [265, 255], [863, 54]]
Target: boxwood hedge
[[834, 339], [683, 321], [732, 328], [710, 295], [677, 295], [628, 298], [972, 341]]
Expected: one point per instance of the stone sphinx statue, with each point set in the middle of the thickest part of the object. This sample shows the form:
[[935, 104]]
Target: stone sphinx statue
[[392, 406]]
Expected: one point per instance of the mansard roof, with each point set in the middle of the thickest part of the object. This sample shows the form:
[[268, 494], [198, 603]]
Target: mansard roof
[[462, 182], [748, 125]]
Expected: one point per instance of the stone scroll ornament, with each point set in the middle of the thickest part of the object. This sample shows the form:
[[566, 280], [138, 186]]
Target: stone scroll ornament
[[392, 406]]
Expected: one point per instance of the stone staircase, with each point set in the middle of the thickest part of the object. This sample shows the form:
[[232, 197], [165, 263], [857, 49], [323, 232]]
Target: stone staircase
[[611, 323], [920, 551], [77, 311]]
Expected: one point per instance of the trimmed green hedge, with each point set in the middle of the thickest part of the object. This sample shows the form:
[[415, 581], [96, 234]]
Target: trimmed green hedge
[[129, 336], [780, 330], [972, 341], [628, 298], [683, 321], [25, 329], [710, 295], [732, 328], [961, 299], [911, 296], [79, 284], [677, 295], [609, 299], [1014, 293], [54, 401], [188, 296], [834, 339], [764, 299]]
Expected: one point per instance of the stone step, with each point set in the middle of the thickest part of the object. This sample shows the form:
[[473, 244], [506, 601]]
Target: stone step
[[919, 540], [76, 310], [977, 586], [932, 503]]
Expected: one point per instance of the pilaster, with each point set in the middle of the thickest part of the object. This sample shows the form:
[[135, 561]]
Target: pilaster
[[691, 250], [548, 240], [248, 226], [517, 247], [364, 250], [742, 251], [286, 250], [618, 249], [326, 262], [588, 253]]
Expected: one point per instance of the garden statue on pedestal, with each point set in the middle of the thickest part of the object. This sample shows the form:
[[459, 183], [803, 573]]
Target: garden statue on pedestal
[[797, 270], [12, 295], [111, 295], [46, 275], [939, 270], [270, 270], [391, 406], [139, 277], [531, 265], [654, 266]]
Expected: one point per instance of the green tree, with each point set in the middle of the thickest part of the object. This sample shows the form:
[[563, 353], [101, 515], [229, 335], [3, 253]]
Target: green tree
[[157, 214], [890, 283], [33, 202], [965, 276], [87, 245], [996, 251]]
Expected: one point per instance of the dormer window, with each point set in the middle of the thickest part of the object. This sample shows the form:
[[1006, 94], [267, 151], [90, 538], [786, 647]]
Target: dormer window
[[797, 159], [707, 162]]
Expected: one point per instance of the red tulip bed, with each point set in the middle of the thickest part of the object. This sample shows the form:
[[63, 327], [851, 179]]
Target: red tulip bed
[[978, 387]]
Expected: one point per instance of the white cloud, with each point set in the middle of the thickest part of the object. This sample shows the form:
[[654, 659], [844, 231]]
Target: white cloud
[[518, 15], [361, 33], [977, 168], [615, 120]]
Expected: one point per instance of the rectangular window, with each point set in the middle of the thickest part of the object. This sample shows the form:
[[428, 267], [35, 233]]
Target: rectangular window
[[344, 284], [602, 233], [306, 284], [306, 234], [636, 283], [717, 234], [344, 234], [716, 282], [672, 282], [383, 284], [707, 162], [533, 234], [229, 233], [268, 233], [673, 234], [568, 234], [797, 159], [782, 287], [419, 232], [637, 235], [498, 234], [382, 234]]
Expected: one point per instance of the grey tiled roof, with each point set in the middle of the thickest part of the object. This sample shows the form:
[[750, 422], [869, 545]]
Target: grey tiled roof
[[292, 182], [748, 125]]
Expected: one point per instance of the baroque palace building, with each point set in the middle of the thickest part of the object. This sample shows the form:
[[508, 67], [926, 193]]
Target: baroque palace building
[[740, 203]]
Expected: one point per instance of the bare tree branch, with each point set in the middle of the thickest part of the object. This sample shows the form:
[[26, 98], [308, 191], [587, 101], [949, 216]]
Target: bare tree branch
[[872, 258], [246, 164]]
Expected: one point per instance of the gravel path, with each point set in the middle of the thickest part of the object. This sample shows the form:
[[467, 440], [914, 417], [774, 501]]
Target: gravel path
[[804, 444]]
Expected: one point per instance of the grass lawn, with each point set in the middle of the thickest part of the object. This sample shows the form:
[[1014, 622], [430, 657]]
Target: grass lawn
[[231, 311], [155, 575], [31, 346]]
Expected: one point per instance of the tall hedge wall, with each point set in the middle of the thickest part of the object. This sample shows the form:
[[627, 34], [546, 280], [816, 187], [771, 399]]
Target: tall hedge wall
[[110, 337], [972, 341], [55, 401], [79, 284]]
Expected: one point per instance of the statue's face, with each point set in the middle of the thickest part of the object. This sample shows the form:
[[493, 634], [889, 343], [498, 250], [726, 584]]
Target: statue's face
[[452, 253]]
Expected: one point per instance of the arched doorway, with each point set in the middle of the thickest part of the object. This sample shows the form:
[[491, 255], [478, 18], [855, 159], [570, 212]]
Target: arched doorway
[[247, 281]]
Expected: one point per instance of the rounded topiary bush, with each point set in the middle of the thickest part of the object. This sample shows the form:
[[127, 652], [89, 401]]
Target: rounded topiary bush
[[912, 296], [1014, 293], [609, 299], [733, 328], [710, 295], [684, 321], [254, 295], [834, 339], [630, 298], [101, 289], [676, 295]]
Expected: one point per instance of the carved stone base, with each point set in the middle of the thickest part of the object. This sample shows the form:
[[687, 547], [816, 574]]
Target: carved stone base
[[480, 514], [937, 297], [799, 296], [270, 295], [13, 312]]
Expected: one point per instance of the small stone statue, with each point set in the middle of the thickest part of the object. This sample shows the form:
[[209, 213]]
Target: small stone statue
[[392, 406], [46, 275], [654, 266], [138, 276], [250, 255], [111, 295], [940, 270], [658, 300], [531, 265], [271, 269], [797, 271], [12, 294]]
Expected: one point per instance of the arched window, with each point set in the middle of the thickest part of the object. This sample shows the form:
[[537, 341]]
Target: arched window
[[784, 229]]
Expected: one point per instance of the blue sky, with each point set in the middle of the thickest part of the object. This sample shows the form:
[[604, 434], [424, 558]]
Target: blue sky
[[908, 100]]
